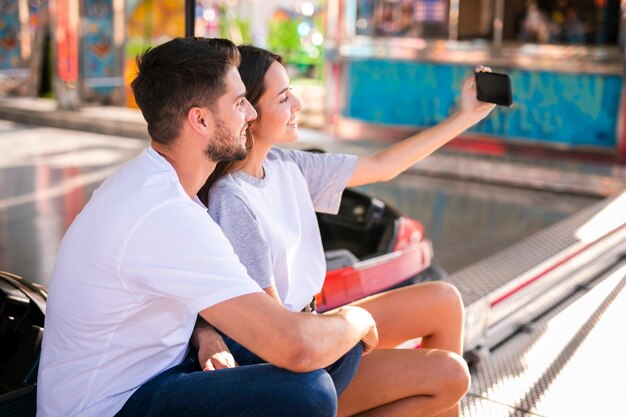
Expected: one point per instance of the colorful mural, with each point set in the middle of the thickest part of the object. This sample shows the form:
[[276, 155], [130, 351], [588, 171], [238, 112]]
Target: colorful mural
[[567, 109], [10, 56], [101, 65]]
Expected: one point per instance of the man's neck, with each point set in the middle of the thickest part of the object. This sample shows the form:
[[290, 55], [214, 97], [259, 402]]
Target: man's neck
[[192, 170]]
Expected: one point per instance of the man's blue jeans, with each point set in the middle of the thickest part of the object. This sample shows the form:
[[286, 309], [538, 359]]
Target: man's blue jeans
[[341, 371], [251, 389]]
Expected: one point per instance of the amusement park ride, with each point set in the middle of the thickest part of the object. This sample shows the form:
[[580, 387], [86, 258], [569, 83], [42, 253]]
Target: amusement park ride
[[511, 298]]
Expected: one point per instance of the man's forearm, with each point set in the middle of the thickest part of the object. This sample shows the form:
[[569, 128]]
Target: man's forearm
[[299, 342], [330, 336]]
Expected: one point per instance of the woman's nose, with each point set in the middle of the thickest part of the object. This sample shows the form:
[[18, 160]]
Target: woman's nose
[[297, 104]]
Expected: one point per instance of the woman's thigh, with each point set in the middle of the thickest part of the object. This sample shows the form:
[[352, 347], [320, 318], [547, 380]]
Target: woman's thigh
[[419, 310]]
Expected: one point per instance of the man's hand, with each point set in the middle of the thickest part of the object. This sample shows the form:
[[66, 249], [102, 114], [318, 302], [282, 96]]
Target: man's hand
[[212, 351], [364, 318], [370, 340]]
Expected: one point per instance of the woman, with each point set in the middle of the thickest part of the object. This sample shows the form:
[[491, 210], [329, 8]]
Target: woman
[[266, 206]]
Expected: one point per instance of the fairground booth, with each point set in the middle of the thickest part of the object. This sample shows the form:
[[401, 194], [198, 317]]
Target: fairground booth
[[395, 66]]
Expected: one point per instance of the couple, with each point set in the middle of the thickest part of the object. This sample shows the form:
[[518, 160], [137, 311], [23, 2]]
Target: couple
[[143, 265]]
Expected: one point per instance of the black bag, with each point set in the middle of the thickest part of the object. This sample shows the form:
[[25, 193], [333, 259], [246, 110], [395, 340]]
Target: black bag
[[22, 312]]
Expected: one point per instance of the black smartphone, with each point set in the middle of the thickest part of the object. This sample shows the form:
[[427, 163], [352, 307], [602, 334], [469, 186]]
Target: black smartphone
[[493, 87]]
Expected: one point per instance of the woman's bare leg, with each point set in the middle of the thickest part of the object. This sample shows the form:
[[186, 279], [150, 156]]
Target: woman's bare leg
[[432, 310], [406, 382]]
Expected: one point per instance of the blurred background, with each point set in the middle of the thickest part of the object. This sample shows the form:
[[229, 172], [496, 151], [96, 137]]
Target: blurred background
[[366, 69], [369, 72], [526, 211]]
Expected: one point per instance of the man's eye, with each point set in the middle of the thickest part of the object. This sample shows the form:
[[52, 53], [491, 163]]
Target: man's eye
[[285, 99]]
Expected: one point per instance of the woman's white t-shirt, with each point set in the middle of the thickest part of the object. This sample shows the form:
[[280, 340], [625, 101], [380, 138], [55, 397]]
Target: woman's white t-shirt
[[271, 222]]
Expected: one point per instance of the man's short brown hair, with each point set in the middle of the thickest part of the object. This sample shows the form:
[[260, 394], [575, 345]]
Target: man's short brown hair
[[178, 75]]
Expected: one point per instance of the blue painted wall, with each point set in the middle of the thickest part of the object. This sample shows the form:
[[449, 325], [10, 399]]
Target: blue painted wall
[[10, 50], [569, 109], [98, 53]]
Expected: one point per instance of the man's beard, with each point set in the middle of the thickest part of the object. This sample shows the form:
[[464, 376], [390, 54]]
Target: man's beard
[[224, 145]]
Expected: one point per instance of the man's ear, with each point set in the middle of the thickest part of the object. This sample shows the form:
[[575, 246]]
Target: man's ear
[[198, 118]]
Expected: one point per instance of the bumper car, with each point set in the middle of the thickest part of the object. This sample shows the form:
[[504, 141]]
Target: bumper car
[[371, 247]]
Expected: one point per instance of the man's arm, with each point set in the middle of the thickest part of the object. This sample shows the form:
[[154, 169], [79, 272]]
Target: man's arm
[[299, 342]]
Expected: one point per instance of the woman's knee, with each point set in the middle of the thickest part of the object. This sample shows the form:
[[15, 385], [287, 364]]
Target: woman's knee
[[446, 299], [448, 293], [455, 376]]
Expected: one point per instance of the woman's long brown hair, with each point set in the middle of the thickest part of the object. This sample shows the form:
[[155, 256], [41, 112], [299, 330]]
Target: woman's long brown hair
[[253, 65]]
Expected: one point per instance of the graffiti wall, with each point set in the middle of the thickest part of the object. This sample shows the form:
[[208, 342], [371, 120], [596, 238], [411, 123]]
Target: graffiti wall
[[552, 107], [101, 56], [10, 51], [20, 42]]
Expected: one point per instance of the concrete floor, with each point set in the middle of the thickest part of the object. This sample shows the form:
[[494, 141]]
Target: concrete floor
[[48, 174]]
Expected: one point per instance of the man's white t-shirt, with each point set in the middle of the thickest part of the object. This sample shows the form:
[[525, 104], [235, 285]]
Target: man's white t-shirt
[[133, 270], [271, 222]]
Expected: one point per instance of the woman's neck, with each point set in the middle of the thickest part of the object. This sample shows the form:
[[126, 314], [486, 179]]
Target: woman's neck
[[253, 165]]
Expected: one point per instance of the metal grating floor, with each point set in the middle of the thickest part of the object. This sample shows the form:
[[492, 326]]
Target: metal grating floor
[[568, 363], [487, 275]]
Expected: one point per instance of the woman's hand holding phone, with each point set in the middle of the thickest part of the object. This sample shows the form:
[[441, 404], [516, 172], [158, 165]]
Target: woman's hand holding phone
[[492, 87], [471, 107]]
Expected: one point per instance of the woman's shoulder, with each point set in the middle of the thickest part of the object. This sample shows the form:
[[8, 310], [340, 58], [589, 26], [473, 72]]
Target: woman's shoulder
[[282, 154], [276, 154], [227, 187], [293, 157]]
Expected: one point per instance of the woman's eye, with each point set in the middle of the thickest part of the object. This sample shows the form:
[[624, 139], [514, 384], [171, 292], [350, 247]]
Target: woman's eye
[[285, 99]]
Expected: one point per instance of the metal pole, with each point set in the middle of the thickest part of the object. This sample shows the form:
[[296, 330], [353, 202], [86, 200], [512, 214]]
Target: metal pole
[[622, 27], [498, 24], [621, 122], [190, 18], [66, 16], [453, 20], [349, 19]]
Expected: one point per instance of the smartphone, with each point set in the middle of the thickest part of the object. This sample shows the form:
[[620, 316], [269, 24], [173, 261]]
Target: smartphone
[[493, 87]]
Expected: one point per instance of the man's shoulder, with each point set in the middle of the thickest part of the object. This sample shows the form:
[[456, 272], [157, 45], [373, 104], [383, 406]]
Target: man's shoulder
[[140, 189]]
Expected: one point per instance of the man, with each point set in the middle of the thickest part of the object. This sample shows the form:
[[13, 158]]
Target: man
[[143, 259]]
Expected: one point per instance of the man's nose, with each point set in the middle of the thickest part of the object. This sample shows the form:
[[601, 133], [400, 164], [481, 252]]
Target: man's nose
[[250, 112]]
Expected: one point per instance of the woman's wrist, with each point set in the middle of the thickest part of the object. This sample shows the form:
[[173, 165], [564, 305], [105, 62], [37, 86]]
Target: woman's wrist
[[467, 118]]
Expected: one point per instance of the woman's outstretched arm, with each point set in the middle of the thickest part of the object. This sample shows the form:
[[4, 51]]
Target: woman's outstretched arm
[[391, 161]]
